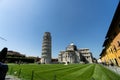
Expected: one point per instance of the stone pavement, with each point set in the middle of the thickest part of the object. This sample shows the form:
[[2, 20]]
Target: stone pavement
[[10, 77], [116, 69]]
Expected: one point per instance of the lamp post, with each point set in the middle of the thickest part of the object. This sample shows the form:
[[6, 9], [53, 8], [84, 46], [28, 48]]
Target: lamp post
[[3, 38]]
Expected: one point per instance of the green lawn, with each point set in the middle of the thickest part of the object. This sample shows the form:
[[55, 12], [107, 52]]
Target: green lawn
[[62, 72]]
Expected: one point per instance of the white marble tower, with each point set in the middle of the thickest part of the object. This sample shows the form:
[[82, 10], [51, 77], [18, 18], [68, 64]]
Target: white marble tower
[[46, 49]]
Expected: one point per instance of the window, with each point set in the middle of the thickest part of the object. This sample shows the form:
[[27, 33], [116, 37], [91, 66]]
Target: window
[[115, 34], [119, 25], [111, 50], [87, 57], [119, 57], [115, 49], [118, 43]]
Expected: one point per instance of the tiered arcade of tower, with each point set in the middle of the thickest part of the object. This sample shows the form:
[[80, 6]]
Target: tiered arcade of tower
[[46, 48]]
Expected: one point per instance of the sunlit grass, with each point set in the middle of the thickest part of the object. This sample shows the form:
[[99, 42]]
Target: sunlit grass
[[62, 72]]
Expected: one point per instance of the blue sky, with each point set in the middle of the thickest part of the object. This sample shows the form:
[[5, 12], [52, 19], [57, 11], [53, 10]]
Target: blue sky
[[84, 22]]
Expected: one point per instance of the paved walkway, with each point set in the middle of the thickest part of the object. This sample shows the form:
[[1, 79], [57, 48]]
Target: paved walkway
[[10, 77], [114, 68]]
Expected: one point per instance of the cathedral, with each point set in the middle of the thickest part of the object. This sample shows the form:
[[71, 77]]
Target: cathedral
[[74, 55]]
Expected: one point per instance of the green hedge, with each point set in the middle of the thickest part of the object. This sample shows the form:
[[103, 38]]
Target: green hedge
[[20, 60]]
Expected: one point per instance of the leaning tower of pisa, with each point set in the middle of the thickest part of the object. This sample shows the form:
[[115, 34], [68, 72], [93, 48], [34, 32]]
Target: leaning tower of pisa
[[46, 48]]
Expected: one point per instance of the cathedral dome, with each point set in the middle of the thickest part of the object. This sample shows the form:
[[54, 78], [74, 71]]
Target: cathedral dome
[[72, 47], [72, 44]]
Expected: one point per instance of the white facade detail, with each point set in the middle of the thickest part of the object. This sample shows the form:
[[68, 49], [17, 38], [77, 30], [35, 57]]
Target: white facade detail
[[74, 55]]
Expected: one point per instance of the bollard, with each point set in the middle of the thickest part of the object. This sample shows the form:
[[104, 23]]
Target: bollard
[[11, 70], [19, 72], [55, 77], [92, 78], [32, 75]]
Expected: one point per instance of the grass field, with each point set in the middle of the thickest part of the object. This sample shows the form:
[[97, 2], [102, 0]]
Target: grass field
[[62, 72]]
